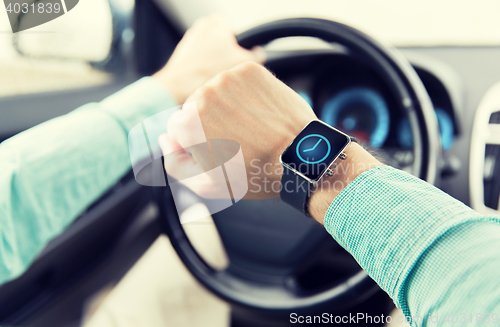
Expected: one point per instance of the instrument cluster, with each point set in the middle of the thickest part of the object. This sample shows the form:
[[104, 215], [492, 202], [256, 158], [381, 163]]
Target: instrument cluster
[[351, 97]]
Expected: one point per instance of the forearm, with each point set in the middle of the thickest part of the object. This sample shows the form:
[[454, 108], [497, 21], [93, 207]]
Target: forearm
[[404, 232], [51, 173], [457, 279]]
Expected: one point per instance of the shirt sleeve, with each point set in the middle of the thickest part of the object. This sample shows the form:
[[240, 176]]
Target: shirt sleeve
[[52, 172], [437, 258]]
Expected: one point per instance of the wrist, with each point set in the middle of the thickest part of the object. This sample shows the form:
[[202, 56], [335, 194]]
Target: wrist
[[174, 83], [358, 161]]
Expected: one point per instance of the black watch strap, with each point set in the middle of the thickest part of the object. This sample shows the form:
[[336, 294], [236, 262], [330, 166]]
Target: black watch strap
[[294, 190]]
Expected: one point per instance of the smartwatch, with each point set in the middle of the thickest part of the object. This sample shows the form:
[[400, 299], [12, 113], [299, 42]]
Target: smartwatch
[[308, 158]]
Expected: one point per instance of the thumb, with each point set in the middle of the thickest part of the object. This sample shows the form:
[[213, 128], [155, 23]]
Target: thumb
[[178, 162], [167, 144]]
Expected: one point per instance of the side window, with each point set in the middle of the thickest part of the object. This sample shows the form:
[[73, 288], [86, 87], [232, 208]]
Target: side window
[[60, 54]]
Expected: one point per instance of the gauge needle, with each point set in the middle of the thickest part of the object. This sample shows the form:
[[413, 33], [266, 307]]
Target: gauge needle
[[314, 147]]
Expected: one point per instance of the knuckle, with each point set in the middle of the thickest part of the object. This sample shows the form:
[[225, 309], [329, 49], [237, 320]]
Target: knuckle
[[250, 68], [225, 78], [180, 123], [206, 94], [205, 97]]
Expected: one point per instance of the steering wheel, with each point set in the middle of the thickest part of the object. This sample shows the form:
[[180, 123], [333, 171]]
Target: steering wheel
[[249, 290]]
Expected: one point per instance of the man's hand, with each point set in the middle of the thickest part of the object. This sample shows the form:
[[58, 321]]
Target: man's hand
[[249, 105], [208, 48], [246, 104]]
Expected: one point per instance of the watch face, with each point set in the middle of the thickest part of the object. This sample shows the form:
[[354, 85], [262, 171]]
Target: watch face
[[314, 149]]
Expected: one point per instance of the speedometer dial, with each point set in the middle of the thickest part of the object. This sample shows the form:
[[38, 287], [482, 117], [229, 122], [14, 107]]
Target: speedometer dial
[[446, 130], [361, 112]]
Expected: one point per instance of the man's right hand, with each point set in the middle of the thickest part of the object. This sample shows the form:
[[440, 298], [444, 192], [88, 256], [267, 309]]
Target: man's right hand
[[246, 104], [249, 105]]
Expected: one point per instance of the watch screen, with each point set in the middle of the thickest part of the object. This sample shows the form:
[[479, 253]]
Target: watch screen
[[314, 149]]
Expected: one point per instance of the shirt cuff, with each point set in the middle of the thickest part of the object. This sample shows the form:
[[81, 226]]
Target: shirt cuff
[[387, 218], [138, 101]]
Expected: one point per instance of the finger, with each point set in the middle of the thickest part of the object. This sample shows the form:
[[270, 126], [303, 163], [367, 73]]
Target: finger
[[180, 165], [185, 127], [167, 144], [259, 54], [178, 162]]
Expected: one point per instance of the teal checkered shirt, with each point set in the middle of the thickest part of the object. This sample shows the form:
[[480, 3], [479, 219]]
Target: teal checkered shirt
[[438, 259]]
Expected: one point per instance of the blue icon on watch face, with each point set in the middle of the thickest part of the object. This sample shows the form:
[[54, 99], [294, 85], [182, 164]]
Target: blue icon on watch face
[[313, 148]]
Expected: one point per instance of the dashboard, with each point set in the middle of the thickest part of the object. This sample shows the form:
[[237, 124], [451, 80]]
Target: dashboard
[[346, 94], [349, 95]]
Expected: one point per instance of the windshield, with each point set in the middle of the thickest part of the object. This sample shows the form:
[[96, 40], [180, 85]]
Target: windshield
[[399, 22]]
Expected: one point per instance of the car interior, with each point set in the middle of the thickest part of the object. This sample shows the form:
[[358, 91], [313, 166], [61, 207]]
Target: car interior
[[431, 109]]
